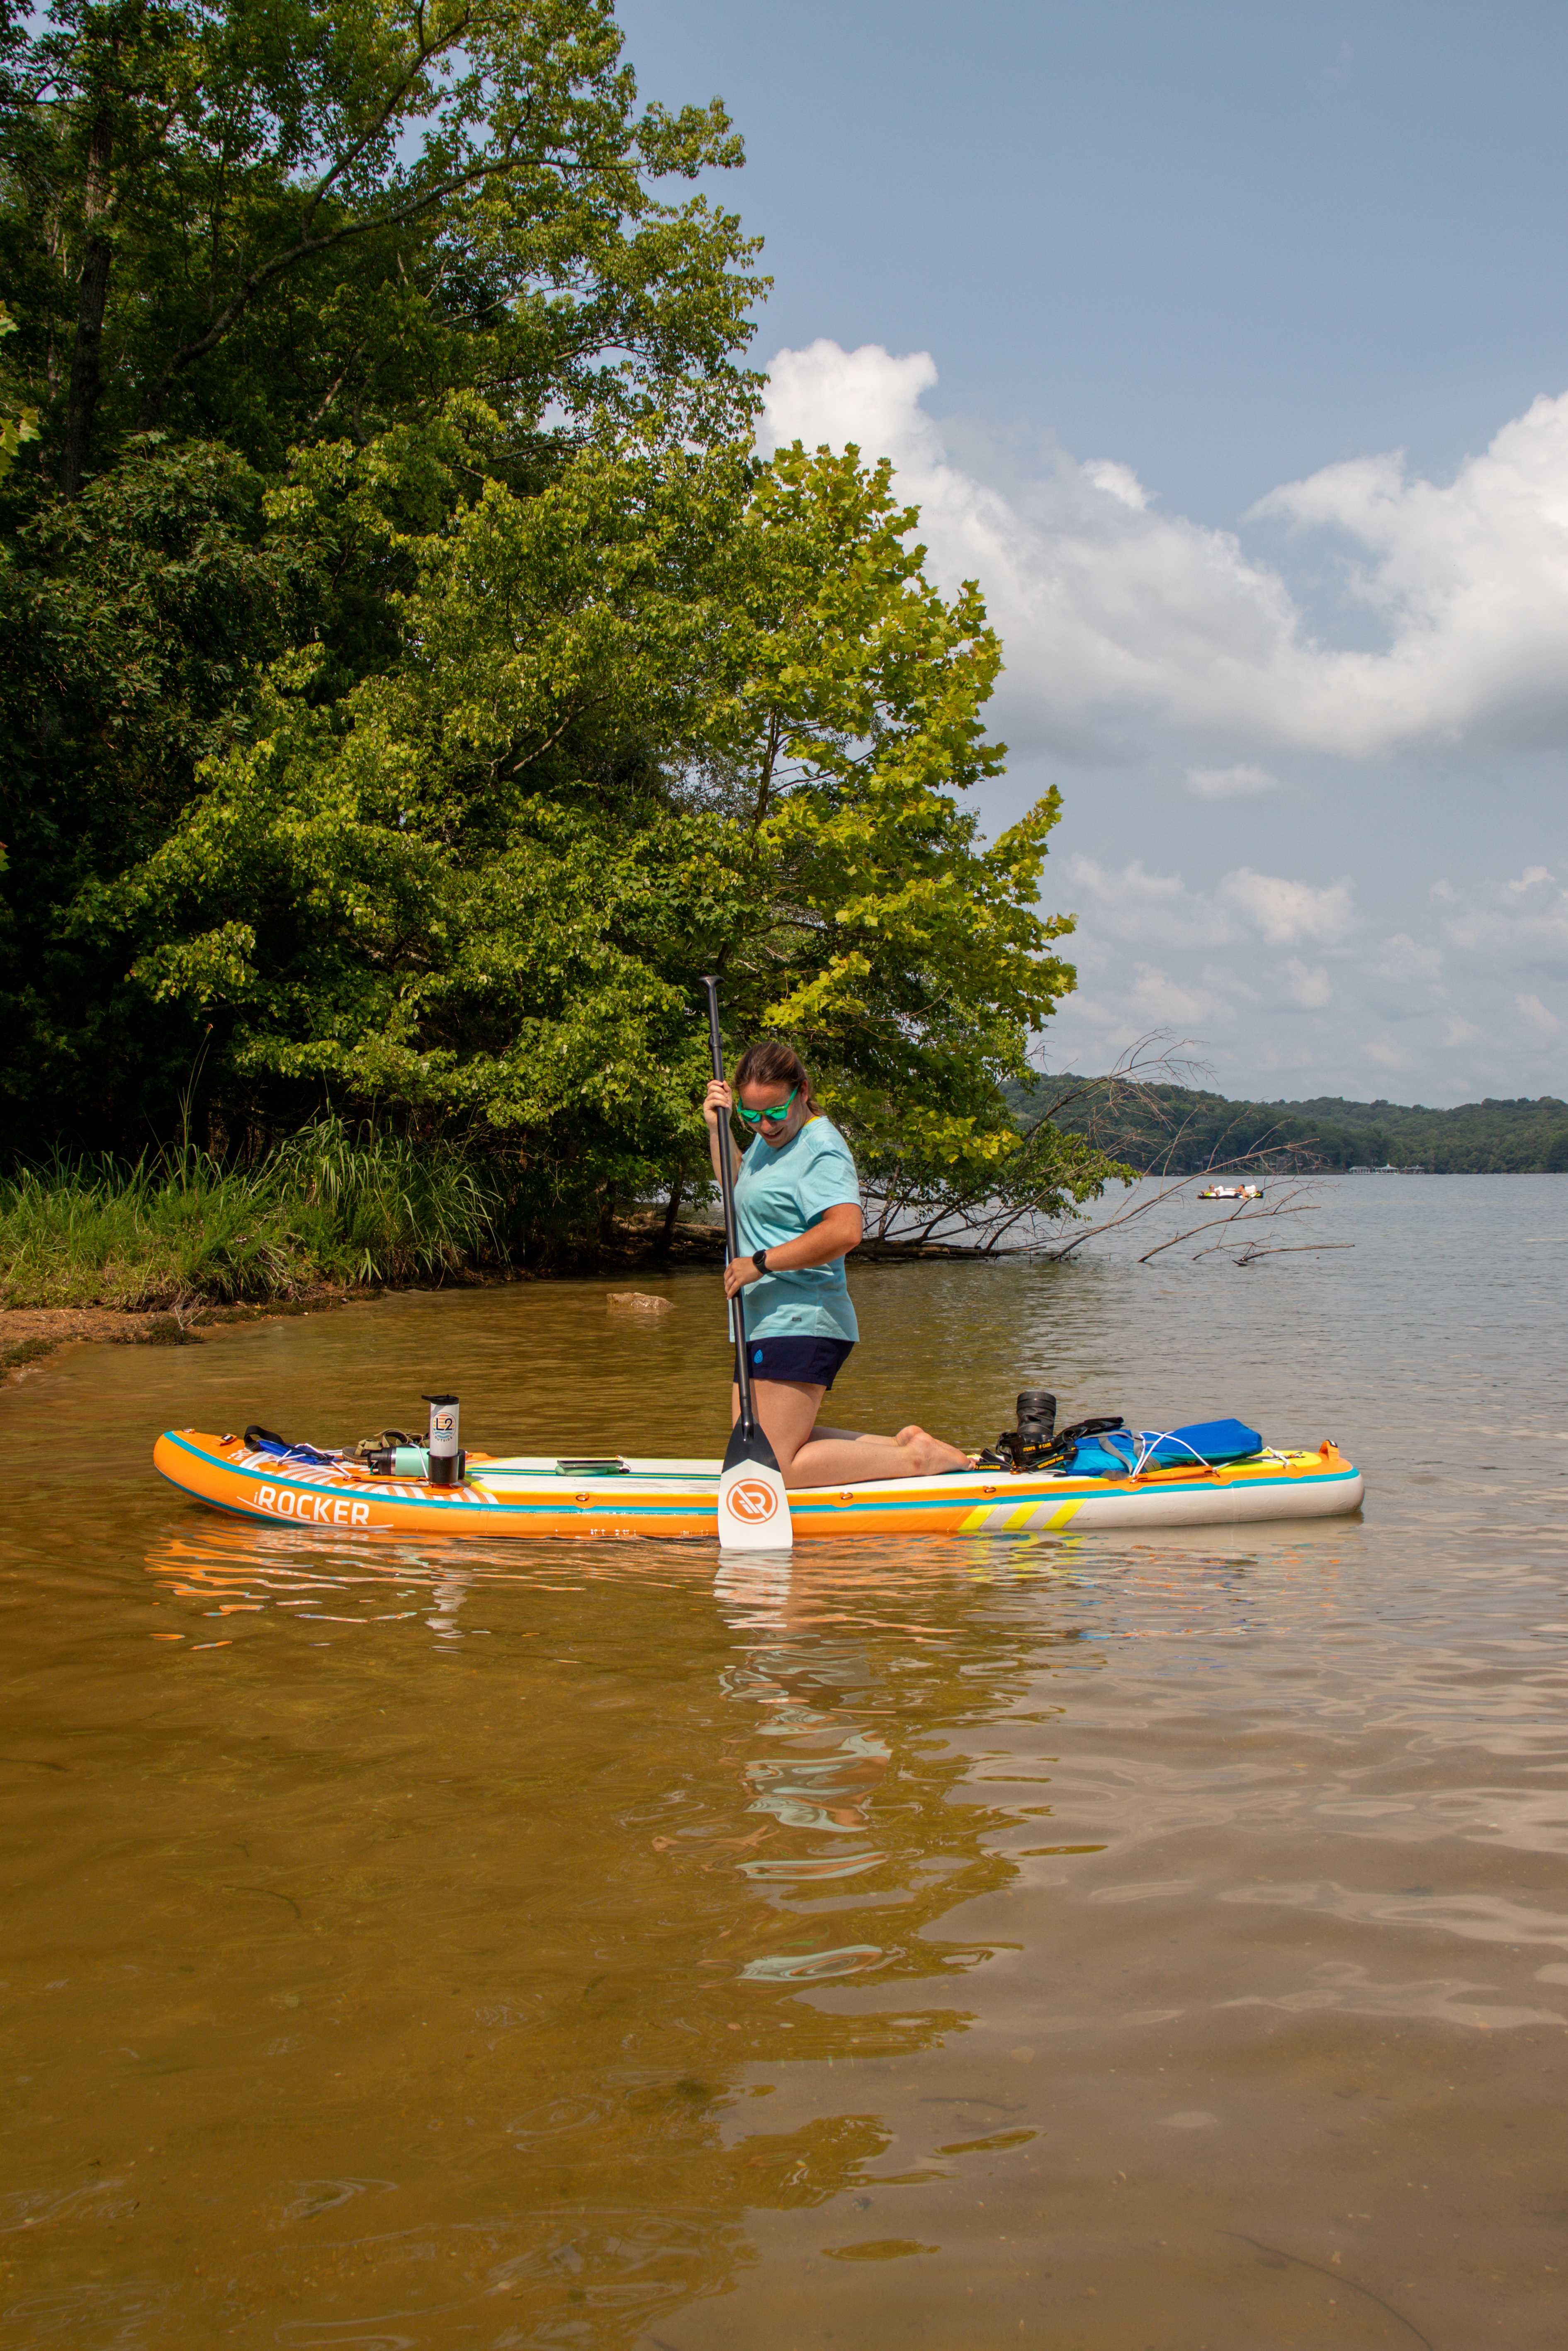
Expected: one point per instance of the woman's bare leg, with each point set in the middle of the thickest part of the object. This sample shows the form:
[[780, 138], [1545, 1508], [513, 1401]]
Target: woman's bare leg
[[810, 1455]]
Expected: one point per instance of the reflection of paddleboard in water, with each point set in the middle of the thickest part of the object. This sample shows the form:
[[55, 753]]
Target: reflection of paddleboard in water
[[753, 1590], [535, 1495]]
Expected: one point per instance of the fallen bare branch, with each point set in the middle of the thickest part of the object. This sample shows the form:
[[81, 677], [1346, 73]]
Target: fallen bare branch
[[1304, 1209], [1292, 1249]]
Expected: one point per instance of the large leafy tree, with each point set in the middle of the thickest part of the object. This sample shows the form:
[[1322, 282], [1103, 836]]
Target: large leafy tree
[[254, 220], [130, 621], [234, 231], [409, 681], [672, 714], [18, 423]]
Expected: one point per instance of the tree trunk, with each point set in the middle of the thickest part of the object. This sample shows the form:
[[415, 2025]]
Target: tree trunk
[[92, 295], [671, 1210]]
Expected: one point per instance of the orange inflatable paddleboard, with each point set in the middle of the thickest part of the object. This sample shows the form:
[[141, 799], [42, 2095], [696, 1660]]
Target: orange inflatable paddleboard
[[673, 1500]]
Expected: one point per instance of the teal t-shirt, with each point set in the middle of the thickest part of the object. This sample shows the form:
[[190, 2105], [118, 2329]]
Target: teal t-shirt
[[780, 1194]]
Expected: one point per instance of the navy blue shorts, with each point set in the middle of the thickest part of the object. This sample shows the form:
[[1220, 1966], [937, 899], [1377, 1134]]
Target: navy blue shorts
[[814, 1362]]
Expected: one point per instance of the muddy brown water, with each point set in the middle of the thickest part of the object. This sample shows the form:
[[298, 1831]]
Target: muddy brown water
[[1082, 1943]]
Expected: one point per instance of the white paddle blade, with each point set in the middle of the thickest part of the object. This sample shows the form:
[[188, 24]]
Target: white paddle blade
[[754, 1510]]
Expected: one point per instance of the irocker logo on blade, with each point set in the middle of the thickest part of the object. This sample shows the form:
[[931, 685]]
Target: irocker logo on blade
[[752, 1500]]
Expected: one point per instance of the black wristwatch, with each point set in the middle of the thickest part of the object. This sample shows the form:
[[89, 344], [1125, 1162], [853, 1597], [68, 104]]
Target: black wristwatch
[[759, 1259]]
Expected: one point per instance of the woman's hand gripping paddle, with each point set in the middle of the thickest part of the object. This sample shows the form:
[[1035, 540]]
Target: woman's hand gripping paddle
[[753, 1508]]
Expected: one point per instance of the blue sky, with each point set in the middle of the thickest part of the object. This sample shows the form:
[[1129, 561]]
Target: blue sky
[[1229, 347]]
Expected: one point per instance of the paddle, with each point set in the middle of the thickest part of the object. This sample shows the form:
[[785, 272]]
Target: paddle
[[753, 1507]]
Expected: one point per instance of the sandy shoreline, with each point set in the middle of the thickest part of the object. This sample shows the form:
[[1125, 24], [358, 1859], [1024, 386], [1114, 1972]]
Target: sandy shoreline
[[29, 1334]]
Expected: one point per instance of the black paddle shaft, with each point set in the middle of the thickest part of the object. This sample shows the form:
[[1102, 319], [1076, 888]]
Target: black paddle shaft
[[732, 1236]]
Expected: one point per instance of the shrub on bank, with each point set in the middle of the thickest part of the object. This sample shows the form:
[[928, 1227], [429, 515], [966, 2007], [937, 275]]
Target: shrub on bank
[[332, 1204]]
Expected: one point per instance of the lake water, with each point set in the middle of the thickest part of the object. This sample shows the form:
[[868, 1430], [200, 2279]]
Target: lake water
[[1068, 1942]]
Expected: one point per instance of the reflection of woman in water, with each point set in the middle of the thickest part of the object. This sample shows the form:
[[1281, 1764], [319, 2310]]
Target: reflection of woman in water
[[797, 1207]]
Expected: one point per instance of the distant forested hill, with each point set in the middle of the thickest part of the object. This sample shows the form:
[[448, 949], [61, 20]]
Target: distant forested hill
[[1186, 1130]]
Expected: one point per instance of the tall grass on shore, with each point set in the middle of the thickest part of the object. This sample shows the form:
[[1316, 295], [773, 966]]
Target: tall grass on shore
[[331, 1203], [395, 1210]]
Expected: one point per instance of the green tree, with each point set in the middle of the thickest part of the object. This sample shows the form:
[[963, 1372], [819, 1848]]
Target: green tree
[[255, 220], [18, 423], [129, 621], [238, 232], [673, 712], [410, 682]]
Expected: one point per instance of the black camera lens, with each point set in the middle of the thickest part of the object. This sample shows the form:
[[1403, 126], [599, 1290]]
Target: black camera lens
[[1036, 1411]]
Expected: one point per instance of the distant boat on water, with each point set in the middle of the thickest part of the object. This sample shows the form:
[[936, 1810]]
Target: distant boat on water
[[1231, 1192]]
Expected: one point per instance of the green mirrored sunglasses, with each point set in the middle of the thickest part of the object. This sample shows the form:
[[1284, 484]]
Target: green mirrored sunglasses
[[774, 1117]]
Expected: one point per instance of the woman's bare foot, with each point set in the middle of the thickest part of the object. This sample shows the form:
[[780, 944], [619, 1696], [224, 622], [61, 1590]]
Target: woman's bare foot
[[928, 1455]]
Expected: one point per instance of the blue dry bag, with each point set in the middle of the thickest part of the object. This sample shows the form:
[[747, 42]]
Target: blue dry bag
[[1207, 1443]]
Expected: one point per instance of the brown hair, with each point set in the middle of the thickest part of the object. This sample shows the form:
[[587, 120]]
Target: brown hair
[[774, 1063]]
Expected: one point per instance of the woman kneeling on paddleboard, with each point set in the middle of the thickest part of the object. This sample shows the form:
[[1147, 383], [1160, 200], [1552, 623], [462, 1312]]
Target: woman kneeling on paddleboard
[[797, 1202]]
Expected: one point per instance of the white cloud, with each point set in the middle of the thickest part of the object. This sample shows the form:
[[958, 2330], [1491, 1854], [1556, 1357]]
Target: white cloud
[[1523, 921], [1458, 1032], [1535, 1019], [1224, 963], [1156, 1000], [1154, 911], [1112, 613], [1308, 985], [1179, 650], [1288, 912], [1405, 962], [1118, 482], [1245, 780]]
